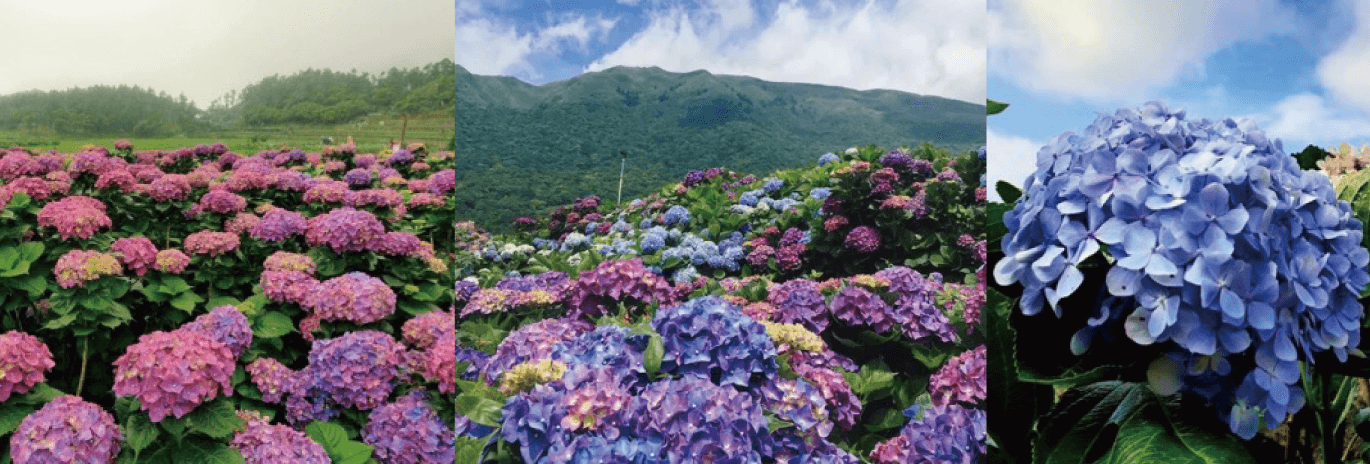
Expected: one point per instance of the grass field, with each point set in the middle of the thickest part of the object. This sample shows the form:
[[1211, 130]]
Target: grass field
[[371, 135]]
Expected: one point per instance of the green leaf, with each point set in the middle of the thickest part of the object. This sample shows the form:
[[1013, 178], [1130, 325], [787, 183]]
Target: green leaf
[[11, 414], [994, 107], [186, 302], [61, 322], [39, 394], [174, 284], [31, 251], [272, 324], [351, 452], [334, 440], [1009, 193], [222, 301], [651, 358], [35, 285], [139, 432], [479, 409], [216, 418], [1117, 422], [9, 256], [1015, 405], [872, 377]]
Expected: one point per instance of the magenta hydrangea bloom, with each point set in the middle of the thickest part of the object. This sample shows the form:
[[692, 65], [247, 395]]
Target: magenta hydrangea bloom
[[800, 301], [327, 191], [241, 222], [863, 239], [423, 199], [915, 306], [354, 296], [75, 216], [858, 306], [375, 197], [533, 342], [287, 261], [77, 267], [287, 286], [438, 363], [222, 201], [225, 324], [961, 380], [358, 369], [598, 290], [170, 187], [23, 361], [442, 182], [423, 331], [279, 224], [408, 431], [345, 229], [208, 242], [171, 373], [171, 261], [66, 429], [138, 254], [261, 442]]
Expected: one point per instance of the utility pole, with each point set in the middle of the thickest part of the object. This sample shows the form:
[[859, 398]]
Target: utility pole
[[621, 165]]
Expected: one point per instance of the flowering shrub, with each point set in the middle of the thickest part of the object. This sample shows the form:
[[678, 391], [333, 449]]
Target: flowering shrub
[[66, 429], [24, 358], [173, 372], [262, 442]]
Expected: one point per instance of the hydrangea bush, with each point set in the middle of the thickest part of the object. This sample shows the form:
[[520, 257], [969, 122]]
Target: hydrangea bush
[[722, 320], [265, 313]]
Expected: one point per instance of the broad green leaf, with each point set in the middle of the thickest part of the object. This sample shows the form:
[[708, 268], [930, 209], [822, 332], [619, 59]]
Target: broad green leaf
[[1009, 193], [8, 257], [216, 418], [222, 301], [326, 434], [35, 285], [351, 452], [174, 284], [61, 322], [479, 409], [1015, 405], [994, 107], [139, 432], [186, 302], [11, 414], [272, 325], [651, 358]]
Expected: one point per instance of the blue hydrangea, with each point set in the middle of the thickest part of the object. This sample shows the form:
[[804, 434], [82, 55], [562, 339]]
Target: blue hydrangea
[[608, 346], [574, 241], [980, 153], [712, 339], [646, 223], [653, 241], [773, 185], [820, 193], [601, 450], [685, 275], [749, 198], [621, 226], [828, 158], [677, 215], [1224, 251], [591, 227]]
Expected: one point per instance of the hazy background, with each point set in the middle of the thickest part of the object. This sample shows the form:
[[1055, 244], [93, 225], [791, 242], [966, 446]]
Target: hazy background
[[204, 49]]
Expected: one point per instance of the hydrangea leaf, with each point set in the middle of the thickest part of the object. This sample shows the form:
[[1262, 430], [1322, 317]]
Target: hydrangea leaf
[[139, 433], [11, 414], [216, 419], [994, 107], [272, 325], [1015, 405], [1116, 422]]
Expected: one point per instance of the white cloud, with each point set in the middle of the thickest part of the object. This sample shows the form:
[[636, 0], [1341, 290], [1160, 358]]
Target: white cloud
[[1011, 158], [1346, 71], [495, 47], [1305, 118], [930, 47], [1120, 50]]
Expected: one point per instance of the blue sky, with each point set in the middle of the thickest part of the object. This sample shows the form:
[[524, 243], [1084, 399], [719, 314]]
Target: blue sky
[[1300, 70], [928, 47]]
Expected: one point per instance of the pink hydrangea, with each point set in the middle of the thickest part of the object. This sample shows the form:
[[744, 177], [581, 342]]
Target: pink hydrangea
[[170, 187], [172, 373], [423, 199], [224, 324], [272, 378], [423, 331], [961, 380], [241, 222], [138, 254], [437, 363], [279, 224], [77, 267], [66, 429], [409, 431], [863, 239], [354, 297], [207, 242], [75, 216], [287, 286], [261, 442], [171, 261], [23, 361], [287, 261], [345, 229], [222, 201]]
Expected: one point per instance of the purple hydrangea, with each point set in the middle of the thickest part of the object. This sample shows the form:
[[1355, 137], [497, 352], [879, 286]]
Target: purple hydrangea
[[961, 380], [227, 325], [442, 182], [710, 338], [423, 331], [279, 224], [23, 361], [698, 421], [357, 177], [800, 301], [171, 373], [598, 290], [354, 296], [408, 431], [799, 403], [863, 239], [66, 429], [943, 434], [138, 254], [532, 342], [288, 286], [345, 229], [272, 378], [358, 369], [858, 306], [915, 305], [222, 201], [261, 442]]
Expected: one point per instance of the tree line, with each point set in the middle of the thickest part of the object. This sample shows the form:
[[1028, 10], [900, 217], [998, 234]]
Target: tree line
[[312, 96]]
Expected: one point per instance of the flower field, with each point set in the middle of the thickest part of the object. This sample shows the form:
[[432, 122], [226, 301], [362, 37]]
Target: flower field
[[199, 305], [1179, 290], [823, 314]]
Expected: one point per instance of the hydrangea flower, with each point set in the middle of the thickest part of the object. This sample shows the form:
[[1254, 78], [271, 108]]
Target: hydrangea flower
[[138, 254], [1225, 250], [408, 431], [23, 360], [74, 216], [287, 286], [357, 370], [943, 434], [599, 289], [961, 380], [354, 297], [279, 224], [828, 158], [345, 229], [208, 242], [272, 378], [66, 429], [710, 338], [77, 267], [699, 421], [171, 261], [676, 215], [426, 329], [222, 201], [525, 376], [225, 324], [261, 442], [863, 239], [171, 373], [532, 342]]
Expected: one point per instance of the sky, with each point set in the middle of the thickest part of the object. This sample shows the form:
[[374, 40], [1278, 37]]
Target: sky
[[927, 47], [1299, 70], [206, 48]]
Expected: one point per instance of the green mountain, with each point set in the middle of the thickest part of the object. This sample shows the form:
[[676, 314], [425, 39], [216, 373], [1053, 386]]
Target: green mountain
[[522, 148]]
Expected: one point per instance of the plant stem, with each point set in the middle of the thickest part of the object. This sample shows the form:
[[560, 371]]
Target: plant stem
[[85, 351]]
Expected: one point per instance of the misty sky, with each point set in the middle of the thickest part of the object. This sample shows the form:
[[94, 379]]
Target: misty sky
[[928, 47], [205, 48]]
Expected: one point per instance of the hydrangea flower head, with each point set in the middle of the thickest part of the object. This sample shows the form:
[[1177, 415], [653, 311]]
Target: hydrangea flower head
[[278, 224], [77, 267], [227, 325], [66, 429], [171, 261], [272, 378], [74, 216], [409, 431], [357, 369], [599, 289], [423, 331], [1223, 247], [261, 442], [138, 254], [523, 377], [961, 380], [943, 434], [354, 296], [345, 229], [173, 372], [208, 242], [699, 421], [23, 360], [710, 338]]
